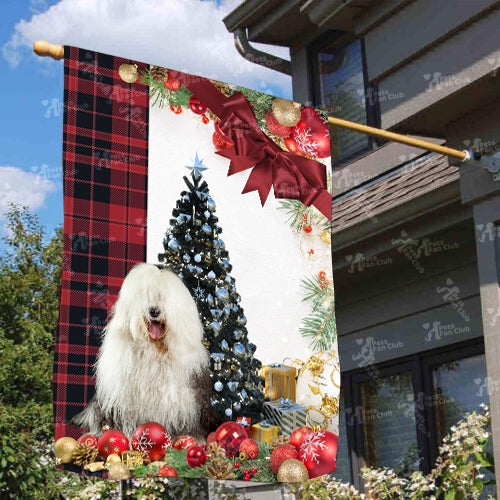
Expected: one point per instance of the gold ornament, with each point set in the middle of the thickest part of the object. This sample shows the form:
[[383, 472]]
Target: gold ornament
[[118, 470], [280, 440], [64, 449], [84, 454], [243, 456], [158, 463], [286, 112], [292, 471], [128, 72], [220, 469], [114, 458], [329, 406], [158, 74], [326, 237], [315, 365], [95, 466], [132, 458]]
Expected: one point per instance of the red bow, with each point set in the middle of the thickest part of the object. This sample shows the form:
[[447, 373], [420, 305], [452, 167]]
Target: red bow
[[290, 175]]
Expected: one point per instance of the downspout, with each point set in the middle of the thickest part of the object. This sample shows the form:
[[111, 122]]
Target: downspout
[[257, 56]]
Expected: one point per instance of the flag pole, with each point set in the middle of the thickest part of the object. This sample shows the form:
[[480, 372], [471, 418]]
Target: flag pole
[[45, 49]]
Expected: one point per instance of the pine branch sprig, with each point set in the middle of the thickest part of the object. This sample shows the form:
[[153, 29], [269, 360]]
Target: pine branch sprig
[[295, 210]]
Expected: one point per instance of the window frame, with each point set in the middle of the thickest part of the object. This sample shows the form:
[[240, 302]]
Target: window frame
[[338, 39], [420, 364]]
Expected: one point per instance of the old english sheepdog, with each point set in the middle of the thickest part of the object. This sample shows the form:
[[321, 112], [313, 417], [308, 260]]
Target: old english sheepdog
[[152, 364]]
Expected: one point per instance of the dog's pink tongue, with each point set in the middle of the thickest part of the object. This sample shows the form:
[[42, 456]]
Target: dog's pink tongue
[[155, 330]]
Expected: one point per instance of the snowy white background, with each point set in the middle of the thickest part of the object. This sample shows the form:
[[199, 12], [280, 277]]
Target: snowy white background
[[264, 251]]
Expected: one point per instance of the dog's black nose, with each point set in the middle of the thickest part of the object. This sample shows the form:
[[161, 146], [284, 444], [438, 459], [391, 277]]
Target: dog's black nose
[[154, 312]]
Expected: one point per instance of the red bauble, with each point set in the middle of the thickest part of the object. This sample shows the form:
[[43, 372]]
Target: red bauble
[[168, 471], [176, 109], [311, 134], [184, 442], [299, 434], [112, 441], [211, 438], [152, 439], [196, 106], [230, 436], [196, 456], [220, 140], [275, 126], [171, 83], [281, 453], [319, 453], [89, 440], [292, 146], [250, 447]]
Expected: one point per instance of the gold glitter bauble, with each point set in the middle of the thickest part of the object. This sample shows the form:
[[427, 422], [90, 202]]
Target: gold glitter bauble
[[113, 459], [286, 112], [326, 237], [95, 466], [118, 470], [128, 72], [64, 449], [292, 471]]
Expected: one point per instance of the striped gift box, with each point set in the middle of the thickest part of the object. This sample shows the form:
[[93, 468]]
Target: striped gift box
[[286, 414]]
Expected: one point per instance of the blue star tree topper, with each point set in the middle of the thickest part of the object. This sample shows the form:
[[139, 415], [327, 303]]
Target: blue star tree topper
[[197, 167]]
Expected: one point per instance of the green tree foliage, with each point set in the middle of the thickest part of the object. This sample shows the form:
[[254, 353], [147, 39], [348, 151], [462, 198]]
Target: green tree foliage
[[30, 273]]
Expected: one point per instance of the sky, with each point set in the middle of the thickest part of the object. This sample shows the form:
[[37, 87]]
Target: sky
[[186, 35]]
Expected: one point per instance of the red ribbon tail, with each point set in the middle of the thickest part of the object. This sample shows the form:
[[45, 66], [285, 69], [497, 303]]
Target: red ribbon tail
[[261, 180], [323, 203]]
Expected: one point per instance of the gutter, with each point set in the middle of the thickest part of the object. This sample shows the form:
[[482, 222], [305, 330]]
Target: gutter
[[258, 56]]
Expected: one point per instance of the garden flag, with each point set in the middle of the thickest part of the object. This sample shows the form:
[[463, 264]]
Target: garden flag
[[197, 332]]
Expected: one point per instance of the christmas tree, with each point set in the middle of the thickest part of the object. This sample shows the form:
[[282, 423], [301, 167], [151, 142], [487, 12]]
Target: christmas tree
[[195, 252]]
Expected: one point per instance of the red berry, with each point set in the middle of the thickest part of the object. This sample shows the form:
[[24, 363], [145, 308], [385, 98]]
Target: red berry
[[327, 282], [322, 285], [304, 217], [245, 472], [237, 465], [307, 228], [253, 471], [205, 119], [246, 478], [322, 275], [176, 109]]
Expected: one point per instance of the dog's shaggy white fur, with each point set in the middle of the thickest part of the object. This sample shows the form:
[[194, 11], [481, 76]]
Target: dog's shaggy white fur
[[152, 365]]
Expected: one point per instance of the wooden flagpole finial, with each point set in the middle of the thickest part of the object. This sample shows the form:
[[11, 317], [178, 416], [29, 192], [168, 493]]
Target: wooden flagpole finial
[[43, 48]]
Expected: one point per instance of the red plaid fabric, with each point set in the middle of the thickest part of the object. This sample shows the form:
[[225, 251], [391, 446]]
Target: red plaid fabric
[[105, 163]]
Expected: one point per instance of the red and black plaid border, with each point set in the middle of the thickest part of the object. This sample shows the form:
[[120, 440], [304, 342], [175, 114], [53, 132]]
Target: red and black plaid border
[[105, 163]]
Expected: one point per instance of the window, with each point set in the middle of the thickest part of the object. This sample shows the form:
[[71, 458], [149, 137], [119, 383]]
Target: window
[[339, 85], [397, 413]]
